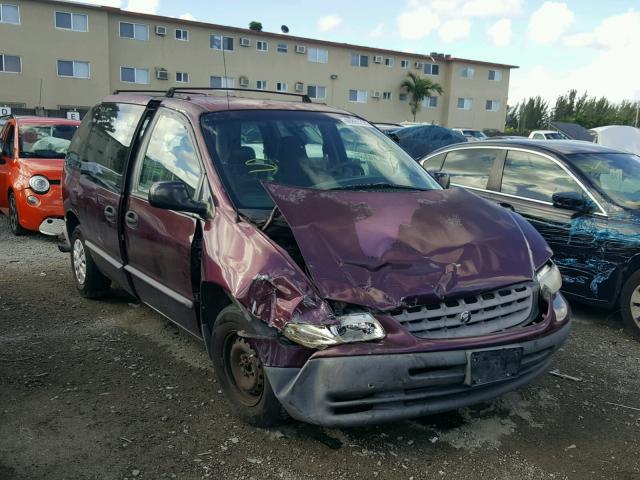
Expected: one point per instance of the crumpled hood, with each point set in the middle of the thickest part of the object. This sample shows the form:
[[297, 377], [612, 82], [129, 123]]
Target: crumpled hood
[[49, 167], [384, 250]]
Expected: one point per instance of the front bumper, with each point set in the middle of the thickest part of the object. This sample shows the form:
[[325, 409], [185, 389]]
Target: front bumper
[[358, 390], [49, 207]]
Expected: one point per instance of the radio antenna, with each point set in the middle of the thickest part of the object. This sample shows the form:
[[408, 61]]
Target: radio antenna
[[224, 64]]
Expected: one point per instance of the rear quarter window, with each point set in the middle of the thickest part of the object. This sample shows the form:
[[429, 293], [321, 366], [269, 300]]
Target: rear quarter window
[[434, 164]]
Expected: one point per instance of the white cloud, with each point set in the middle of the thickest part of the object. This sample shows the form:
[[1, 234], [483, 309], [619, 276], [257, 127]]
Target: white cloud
[[617, 31], [492, 8], [143, 6], [417, 23], [549, 22], [187, 16], [377, 31], [500, 33], [454, 30], [328, 22]]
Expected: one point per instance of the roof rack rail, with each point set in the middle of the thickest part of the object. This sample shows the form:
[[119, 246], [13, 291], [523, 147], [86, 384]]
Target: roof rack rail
[[118, 92], [194, 91]]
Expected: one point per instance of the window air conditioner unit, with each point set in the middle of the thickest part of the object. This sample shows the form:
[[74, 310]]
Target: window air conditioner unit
[[377, 59], [419, 65], [244, 82], [161, 30], [299, 87], [162, 74], [245, 42], [301, 49], [375, 94]]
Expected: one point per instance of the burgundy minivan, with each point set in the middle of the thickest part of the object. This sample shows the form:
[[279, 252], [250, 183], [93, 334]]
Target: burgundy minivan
[[330, 277]]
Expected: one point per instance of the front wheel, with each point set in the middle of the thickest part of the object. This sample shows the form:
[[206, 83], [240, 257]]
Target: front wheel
[[14, 219], [630, 304], [90, 281], [241, 373]]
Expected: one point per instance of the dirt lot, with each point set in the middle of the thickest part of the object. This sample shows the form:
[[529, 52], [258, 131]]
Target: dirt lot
[[111, 390]]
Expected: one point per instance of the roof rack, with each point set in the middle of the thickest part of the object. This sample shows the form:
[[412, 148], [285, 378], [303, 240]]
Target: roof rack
[[118, 92], [195, 91]]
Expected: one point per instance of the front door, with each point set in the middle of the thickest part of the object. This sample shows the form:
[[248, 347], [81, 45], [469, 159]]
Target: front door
[[6, 156], [159, 242]]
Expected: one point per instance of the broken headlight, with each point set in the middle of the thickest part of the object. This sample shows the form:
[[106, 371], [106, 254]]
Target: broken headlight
[[354, 327], [549, 278]]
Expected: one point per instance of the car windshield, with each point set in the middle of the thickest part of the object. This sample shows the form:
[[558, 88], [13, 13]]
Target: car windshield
[[304, 149], [555, 136], [45, 141], [616, 175]]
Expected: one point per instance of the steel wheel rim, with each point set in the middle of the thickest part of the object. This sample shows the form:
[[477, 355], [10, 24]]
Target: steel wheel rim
[[244, 370], [79, 261], [634, 305], [13, 213]]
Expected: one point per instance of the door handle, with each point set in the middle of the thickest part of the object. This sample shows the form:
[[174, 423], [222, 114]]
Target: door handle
[[507, 206], [110, 214], [131, 219]]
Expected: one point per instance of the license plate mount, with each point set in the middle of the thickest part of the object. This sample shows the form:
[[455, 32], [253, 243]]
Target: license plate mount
[[492, 365]]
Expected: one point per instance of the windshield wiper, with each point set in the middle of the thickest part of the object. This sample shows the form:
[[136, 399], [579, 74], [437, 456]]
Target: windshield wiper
[[373, 186]]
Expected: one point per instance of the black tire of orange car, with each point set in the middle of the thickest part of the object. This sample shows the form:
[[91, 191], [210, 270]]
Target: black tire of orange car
[[94, 284], [14, 219], [631, 286], [240, 371]]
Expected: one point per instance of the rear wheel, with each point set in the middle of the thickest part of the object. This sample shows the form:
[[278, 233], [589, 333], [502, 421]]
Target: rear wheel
[[90, 281], [241, 373], [14, 219], [630, 304]]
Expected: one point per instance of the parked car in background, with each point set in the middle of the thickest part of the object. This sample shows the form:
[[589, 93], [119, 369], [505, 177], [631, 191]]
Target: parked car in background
[[583, 198], [387, 127], [620, 137], [471, 134], [547, 135], [32, 151], [419, 140], [326, 271]]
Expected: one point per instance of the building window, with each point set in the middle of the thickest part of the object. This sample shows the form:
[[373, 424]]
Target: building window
[[72, 21], [467, 72], [9, 14], [386, 95], [220, 42], [465, 103], [358, 96], [431, 69], [389, 61], [318, 55], [73, 68], [283, 48], [182, 77], [262, 46], [261, 84], [495, 75], [405, 64], [137, 31], [221, 82], [182, 35], [316, 91], [492, 105], [10, 64], [358, 60], [134, 75], [430, 102], [402, 97], [282, 87]]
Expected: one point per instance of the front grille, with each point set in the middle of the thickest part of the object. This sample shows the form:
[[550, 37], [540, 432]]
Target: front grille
[[470, 316]]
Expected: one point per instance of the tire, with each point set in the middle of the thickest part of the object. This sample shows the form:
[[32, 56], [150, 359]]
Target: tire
[[240, 372], [630, 304], [14, 218], [90, 281]]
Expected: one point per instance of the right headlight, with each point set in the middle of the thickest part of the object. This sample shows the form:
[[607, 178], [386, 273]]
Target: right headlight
[[549, 278], [39, 184]]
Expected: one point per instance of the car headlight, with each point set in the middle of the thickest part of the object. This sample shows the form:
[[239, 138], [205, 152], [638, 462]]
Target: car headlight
[[560, 307], [39, 184], [549, 278], [354, 327]]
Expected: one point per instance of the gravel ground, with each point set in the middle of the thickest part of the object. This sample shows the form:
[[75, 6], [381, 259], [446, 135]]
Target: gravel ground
[[111, 390]]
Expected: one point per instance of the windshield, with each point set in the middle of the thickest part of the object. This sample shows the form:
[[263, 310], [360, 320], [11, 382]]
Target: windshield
[[616, 175], [45, 141], [555, 136], [304, 149]]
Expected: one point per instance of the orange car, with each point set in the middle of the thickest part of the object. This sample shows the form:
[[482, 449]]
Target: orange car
[[32, 151]]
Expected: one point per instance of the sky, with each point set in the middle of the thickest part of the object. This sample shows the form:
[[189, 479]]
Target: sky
[[592, 46]]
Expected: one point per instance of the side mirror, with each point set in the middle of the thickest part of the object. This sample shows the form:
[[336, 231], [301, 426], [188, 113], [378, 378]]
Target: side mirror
[[573, 201], [175, 196], [442, 178]]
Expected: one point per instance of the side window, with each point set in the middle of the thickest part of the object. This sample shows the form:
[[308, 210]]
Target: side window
[[104, 154], [535, 177], [7, 146], [538, 136], [470, 167], [434, 163], [170, 156]]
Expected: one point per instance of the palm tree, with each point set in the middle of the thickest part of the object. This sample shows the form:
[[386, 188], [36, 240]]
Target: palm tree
[[419, 89]]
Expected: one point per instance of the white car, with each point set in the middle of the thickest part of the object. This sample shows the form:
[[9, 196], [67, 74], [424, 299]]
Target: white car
[[547, 135], [471, 134]]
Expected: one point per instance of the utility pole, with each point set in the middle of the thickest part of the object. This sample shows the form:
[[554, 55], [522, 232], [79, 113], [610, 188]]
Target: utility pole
[[637, 111]]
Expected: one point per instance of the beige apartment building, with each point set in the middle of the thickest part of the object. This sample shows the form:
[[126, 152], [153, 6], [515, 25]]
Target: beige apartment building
[[62, 55]]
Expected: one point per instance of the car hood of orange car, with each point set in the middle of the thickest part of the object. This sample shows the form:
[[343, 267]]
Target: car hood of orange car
[[48, 167]]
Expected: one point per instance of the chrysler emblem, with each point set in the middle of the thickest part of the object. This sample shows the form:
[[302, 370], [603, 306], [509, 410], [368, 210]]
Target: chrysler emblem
[[465, 317]]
